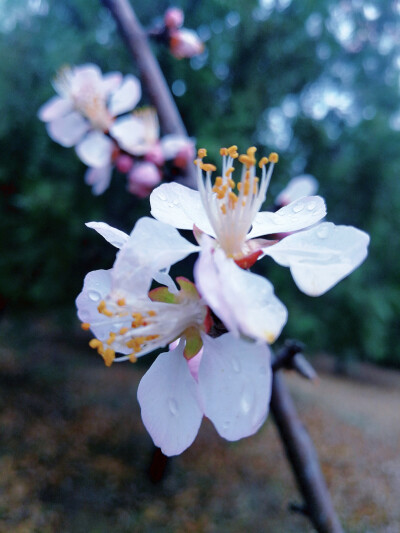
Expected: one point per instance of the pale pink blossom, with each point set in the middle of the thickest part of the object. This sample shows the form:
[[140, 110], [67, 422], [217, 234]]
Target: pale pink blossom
[[85, 108], [298, 187], [318, 254], [142, 178], [229, 379], [185, 43], [174, 17]]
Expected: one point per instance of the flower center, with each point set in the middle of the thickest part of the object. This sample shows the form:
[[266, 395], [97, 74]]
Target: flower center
[[147, 324], [231, 206]]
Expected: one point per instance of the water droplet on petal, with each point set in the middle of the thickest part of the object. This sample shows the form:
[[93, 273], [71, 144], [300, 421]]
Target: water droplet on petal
[[236, 364], [298, 207], [162, 196], [311, 206], [247, 399], [173, 406], [95, 296], [323, 232]]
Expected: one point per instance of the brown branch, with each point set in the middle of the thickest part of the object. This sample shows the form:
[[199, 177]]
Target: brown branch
[[150, 72], [303, 459]]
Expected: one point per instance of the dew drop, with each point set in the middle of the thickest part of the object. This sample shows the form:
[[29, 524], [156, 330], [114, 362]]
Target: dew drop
[[247, 399], [323, 232], [311, 206], [172, 406], [94, 296], [298, 207], [236, 365], [162, 196]]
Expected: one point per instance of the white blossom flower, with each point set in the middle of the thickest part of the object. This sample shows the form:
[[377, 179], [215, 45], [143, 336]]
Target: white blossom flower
[[85, 109], [232, 382], [185, 43], [319, 255]]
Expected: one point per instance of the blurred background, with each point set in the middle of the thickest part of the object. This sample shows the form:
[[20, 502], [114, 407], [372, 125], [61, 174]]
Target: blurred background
[[316, 81]]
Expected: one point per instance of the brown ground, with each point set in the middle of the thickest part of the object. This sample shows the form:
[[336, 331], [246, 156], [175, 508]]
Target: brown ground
[[74, 456]]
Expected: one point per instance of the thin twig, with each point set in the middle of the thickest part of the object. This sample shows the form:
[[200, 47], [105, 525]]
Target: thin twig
[[150, 72], [303, 459]]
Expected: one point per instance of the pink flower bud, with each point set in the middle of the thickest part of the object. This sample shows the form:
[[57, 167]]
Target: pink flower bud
[[185, 154], [185, 43], [173, 18], [143, 178], [155, 155], [124, 163]]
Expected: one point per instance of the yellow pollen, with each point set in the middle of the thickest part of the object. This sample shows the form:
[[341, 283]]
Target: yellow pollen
[[101, 306], [208, 167], [263, 161], [229, 171], [218, 182], [232, 198], [132, 358], [247, 175], [244, 203], [111, 338], [121, 302], [95, 343], [201, 152], [231, 183], [246, 188], [246, 160], [151, 313], [232, 151], [223, 151], [108, 356], [273, 157], [85, 326], [223, 209], [251, 151], [122, 331], [239, 186], [255, 188], [138, 317]]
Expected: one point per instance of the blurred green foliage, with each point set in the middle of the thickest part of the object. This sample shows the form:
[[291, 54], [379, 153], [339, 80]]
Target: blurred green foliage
[[316, 81]]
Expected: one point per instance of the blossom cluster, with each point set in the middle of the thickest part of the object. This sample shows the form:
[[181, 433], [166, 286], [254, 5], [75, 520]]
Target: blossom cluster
[[218, 328], [96, 113]]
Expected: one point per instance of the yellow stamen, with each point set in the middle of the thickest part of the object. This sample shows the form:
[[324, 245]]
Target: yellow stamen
[[108, 356], [231, 183], [251, 151], [232, 151], [246, 188], [201, 152], [270, 337], [232, 198], [132, 358], [111, 338], [229, 171], [223, 209], [151, 313], [95, 343], [85, 326], [273, 157], [239, 186], [122, 331], [208, 167], [263, 161], [121, 302], [218, 182], [223, 151], [246, 160]]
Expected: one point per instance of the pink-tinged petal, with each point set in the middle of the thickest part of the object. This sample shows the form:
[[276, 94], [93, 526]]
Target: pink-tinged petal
[[111, 82], [97, 287], [126, 97], [112, 235], [235, 385], [98, 178], [167, 395], [172, 144], [152, 246], [300, 214], [143, 178], [55, 108], [179, 206], [244, 301], [87, 71], [298, 187], [129, 132], [321, 256], [95, 149], [68, 130]]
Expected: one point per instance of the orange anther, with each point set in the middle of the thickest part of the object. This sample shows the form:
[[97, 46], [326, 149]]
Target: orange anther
[[201, 152], [223, 151], [223, 209], [218, 182], [273, 157], [229, 171], [151, 313], [208, 167], [231, 183], [122, 331], [263, 161], [132, 358], [121, 301], [85, 326]]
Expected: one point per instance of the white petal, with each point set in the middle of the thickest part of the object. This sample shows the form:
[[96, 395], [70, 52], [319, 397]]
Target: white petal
[[171, 144], [244, 301], [304, 185], [235, 385], [97, 287], [321, 256], [111, 81], [112, 235], [300, 214], [56, 107], [98, 178], [152, 246], [95, 150], [126, 97], [179, 206], [167, 396], [129, 132], [68, 130]]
